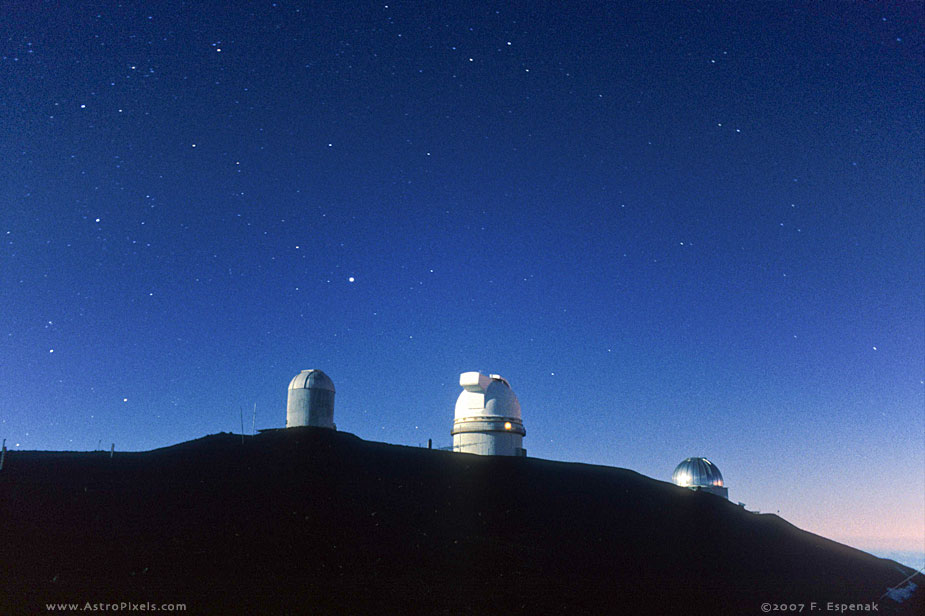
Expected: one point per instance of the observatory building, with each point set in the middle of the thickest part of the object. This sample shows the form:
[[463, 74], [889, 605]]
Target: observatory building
[[311, 400], [699, 474], [487, 417]]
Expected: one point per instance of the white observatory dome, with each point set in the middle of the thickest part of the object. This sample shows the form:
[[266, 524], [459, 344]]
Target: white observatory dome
[[311, 379], [311, 400], [488, 420], [699, 474], [486, 396]]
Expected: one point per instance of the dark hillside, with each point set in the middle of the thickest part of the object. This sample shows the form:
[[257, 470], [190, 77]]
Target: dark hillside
[[317, 522]]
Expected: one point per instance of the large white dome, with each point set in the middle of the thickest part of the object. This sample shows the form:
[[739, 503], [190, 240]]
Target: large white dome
[[487, 417], [486, 396]]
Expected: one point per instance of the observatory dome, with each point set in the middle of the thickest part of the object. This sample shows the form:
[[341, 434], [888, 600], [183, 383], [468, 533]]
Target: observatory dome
[[699, 474], [312, 379], [311, 400], [488, 418], [486, 396]]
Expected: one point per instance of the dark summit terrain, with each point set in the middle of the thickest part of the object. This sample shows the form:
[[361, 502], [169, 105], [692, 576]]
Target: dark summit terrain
[[311, 521]]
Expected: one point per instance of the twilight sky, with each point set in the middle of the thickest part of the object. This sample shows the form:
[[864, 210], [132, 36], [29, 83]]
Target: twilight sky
[[676, 229]]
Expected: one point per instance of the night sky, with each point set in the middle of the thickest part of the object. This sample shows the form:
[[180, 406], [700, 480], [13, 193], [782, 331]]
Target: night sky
[[676, 229]]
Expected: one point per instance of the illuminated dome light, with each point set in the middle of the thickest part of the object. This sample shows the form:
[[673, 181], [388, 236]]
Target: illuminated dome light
[[700, 474], [487, 417]]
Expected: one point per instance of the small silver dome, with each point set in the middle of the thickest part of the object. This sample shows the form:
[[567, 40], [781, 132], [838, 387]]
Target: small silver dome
[[697, 473]]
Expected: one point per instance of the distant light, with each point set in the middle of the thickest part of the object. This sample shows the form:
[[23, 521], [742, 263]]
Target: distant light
[[352, 279], [124, 399], [507, 425], [875, 348], [51, 350]]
